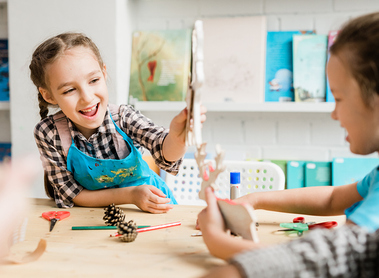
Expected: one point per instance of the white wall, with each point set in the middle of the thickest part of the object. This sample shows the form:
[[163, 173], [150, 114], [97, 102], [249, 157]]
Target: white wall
[[31, 22], [302, 136], [310, 136]]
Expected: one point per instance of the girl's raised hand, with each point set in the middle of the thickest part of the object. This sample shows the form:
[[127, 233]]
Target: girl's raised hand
[[151, 199], [178, 123]]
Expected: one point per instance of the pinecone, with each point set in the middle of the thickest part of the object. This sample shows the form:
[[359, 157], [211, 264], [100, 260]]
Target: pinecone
[[128, 231], [113, 215]]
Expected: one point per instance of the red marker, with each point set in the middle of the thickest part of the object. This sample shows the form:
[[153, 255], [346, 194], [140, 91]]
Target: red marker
[[152, 228]]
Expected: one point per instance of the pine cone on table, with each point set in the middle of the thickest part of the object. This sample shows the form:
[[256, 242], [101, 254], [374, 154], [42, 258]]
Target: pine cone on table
[[127, 231], [113, 215]]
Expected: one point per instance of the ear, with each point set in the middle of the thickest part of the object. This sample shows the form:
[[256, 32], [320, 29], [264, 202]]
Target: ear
[[105, 71], [47, 96]]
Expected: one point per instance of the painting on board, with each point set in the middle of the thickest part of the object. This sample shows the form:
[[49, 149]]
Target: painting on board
[[160, 65]]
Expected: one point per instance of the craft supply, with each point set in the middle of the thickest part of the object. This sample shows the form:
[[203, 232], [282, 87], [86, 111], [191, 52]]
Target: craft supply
[[298, 224], [152, 228], [55, 216], [239, 219], [100, 227], [113, 215], [235, 178], [197, 234]]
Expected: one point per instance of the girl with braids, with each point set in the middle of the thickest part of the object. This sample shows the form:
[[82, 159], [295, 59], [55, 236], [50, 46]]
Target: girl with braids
[[349, 251], [89, 149]]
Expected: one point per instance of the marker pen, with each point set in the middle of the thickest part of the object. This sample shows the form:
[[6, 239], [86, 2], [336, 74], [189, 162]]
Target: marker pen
[[234, 185]]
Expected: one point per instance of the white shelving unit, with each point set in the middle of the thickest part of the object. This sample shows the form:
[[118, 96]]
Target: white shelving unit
[[4, 106], [165, 106]]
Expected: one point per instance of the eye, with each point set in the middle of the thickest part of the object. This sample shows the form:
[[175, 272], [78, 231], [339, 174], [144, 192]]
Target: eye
[[94, 80], [68, 91]]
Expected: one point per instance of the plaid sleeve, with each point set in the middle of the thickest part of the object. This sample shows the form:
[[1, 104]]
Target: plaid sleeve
[[54, 163], [142, 130], [349, 251]]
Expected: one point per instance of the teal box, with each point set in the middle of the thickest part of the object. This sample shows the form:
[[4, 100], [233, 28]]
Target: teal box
[[318, 173], [350, 170], [295, 174]]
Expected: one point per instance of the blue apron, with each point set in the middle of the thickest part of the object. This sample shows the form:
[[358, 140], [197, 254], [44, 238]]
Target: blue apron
[[94, 174]]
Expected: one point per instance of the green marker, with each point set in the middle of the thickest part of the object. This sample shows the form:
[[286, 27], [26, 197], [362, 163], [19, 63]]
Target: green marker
[[100, 227]]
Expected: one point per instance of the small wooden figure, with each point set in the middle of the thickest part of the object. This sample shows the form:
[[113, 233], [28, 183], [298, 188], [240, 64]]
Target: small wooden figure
[[208, 173], [113, 215], [239, 219]]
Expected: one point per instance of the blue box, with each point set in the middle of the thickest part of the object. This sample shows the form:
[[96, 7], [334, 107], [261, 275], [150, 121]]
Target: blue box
[[318, 173], [295, 174], [350, 170]]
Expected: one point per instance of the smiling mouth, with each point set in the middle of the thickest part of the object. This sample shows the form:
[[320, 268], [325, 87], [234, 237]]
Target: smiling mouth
[[90, 111]]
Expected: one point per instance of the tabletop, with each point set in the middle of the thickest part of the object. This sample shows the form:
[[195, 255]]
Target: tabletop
[[169, 252]]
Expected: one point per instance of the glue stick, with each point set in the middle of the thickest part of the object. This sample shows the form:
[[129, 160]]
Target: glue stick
[[234, 185]]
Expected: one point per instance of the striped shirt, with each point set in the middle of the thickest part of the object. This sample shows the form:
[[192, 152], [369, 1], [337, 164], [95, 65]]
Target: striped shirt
[[346, 252], [100, 145]]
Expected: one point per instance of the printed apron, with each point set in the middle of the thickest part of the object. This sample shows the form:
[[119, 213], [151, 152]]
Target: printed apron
[[93, 173]]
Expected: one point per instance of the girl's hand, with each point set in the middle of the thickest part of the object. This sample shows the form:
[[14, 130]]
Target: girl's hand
[[151, 199], [174, 145], [178, 124], [210, 219]]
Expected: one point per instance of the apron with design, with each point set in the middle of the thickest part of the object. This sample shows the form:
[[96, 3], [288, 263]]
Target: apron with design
[[93, 173]]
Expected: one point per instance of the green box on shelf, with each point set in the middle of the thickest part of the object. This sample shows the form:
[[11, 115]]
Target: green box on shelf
[[281, 163]]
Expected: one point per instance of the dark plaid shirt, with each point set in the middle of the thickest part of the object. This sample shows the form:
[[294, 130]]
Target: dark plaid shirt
[[346, 252], [100, 145]]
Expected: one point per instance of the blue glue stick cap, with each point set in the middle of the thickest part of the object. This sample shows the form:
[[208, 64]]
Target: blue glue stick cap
[[235, 177]]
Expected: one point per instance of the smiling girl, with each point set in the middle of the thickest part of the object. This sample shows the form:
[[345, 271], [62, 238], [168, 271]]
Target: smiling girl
[[90, 149]]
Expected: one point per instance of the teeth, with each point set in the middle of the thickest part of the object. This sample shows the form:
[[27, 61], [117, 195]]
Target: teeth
[[88, 110]]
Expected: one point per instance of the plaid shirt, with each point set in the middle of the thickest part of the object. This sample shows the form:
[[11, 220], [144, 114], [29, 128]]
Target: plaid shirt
[[100, 145], [346, 252]]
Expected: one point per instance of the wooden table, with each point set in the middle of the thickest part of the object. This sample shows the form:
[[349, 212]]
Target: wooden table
[[170, 252]]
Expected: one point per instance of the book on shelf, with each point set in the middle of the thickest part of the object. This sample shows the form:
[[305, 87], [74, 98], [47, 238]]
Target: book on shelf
[[295, 174], [160, 65], [309, 61], [234, 59], [318, 173], [279, 65], [5, 150], [353, 169], [4, 71], [331, 38]]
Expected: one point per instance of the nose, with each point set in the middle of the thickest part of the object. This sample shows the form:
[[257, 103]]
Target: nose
[[333, 115], [86, 94]]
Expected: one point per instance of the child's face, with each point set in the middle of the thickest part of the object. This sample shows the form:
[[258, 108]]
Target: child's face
[[361, 122], [78, 85]]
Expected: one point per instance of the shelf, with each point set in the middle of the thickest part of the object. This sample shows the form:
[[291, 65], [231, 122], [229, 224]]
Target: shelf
[[168, 106], [4, 105]]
